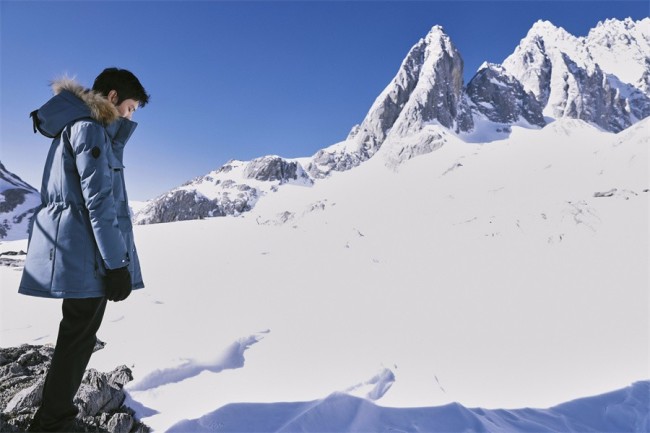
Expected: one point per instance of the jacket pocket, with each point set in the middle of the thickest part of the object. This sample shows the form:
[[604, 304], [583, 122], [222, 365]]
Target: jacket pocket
[[74, 261], [117, 176], [42, 249]]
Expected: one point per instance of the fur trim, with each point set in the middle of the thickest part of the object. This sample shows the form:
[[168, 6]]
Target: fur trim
[[100, 108]]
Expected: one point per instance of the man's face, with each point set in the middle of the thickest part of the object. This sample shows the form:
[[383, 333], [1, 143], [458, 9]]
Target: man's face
[[127, 108]]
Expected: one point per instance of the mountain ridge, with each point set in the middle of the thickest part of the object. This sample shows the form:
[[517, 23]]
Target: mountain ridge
[[550, 74]]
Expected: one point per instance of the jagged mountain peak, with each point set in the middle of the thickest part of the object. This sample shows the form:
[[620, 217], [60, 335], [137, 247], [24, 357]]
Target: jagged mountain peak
[[544, 27], [547, 37], [625, 24], [437, 36], [622, 48], [551, 75], [602, 78], [549, 32]]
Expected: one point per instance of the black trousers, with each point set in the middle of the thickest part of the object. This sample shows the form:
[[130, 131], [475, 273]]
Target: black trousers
[[74, 345]]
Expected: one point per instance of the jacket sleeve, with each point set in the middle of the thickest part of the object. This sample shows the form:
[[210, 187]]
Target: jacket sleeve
[[91, 147]]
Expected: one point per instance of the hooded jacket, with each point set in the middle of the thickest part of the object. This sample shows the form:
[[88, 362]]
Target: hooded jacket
[[83, 226]]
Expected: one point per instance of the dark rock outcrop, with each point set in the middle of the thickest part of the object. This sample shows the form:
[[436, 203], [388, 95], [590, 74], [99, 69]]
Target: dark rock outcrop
[[274, 168], [502, 98], [18, 203], [100, 397]]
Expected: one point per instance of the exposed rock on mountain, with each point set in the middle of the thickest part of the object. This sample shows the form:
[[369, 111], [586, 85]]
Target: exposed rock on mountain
[[274, 168], [568, 80], [428, 88], [232, 189], [18, 203], [502, 99], [621, 48], [100, 397]]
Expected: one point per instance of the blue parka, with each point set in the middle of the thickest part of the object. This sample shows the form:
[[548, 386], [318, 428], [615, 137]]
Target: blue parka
[[83, 226]]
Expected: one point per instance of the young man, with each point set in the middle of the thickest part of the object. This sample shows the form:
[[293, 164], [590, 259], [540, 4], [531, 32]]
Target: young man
[[81, 246]]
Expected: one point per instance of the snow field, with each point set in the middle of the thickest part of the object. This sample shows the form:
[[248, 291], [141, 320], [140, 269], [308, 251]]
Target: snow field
[[487, 275]]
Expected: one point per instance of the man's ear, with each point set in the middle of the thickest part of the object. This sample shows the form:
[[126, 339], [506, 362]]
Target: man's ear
[[112, 97]]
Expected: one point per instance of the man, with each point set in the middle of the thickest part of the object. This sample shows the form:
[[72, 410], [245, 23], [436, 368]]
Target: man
[[81, 246]]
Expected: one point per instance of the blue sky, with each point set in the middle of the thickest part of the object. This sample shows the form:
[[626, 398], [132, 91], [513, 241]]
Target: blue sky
[[238, 80]]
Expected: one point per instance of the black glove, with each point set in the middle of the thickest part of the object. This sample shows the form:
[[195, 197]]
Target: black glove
[[118, 284]]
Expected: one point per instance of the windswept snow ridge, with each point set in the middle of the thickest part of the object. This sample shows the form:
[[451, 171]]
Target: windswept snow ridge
[[618, 411], [233, 357]]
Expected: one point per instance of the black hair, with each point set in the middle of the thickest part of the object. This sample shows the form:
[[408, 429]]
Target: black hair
[[123, 82]]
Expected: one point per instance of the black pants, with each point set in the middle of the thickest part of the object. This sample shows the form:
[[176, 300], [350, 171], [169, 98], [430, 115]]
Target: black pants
[[74, 345]]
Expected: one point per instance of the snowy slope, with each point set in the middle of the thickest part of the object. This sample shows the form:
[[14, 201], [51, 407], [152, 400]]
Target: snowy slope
[[503, 275], [18, 201], [622, 410]]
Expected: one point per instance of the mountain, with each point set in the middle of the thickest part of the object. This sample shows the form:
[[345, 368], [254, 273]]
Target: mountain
[[621, 48], [18, 202], [577, 77], [601, 78], [428, 88], [232, 189]]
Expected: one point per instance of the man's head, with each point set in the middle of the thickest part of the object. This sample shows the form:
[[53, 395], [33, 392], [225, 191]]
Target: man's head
[[123, 89]]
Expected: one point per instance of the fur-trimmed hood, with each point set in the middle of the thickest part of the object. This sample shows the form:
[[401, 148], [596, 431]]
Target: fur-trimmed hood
[[100, 108], [72, 101]]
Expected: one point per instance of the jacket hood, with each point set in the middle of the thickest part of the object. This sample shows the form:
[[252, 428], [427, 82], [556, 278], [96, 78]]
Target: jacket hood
[[72, 101]]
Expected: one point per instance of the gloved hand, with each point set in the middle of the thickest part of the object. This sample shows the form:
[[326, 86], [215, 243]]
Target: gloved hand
[[118, 284]]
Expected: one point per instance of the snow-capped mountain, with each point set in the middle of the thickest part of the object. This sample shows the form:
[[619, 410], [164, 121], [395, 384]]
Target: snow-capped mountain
[[581, 78], [601, 79], [621, 48], [232, 189], [428, 89], [18, 202]]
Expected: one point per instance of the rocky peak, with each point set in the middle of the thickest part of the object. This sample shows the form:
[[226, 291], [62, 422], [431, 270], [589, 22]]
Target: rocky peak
[[501, 98], [274, 168], [428, 88], [572, 77], [621, 48]]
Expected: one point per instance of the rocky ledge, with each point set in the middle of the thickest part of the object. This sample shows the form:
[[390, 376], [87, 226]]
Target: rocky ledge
[[100, 399]]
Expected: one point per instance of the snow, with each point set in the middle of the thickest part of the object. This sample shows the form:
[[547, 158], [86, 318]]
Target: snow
[[477, 275], [616, 54], [616, 411]]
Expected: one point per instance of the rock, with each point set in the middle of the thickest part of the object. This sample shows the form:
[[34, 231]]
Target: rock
[[27, 398], [274, 168], [501, 97], [100, 397], [120, 423]]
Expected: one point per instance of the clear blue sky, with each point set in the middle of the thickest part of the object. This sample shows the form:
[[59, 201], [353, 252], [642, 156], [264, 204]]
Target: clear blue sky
[[238, 80]]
